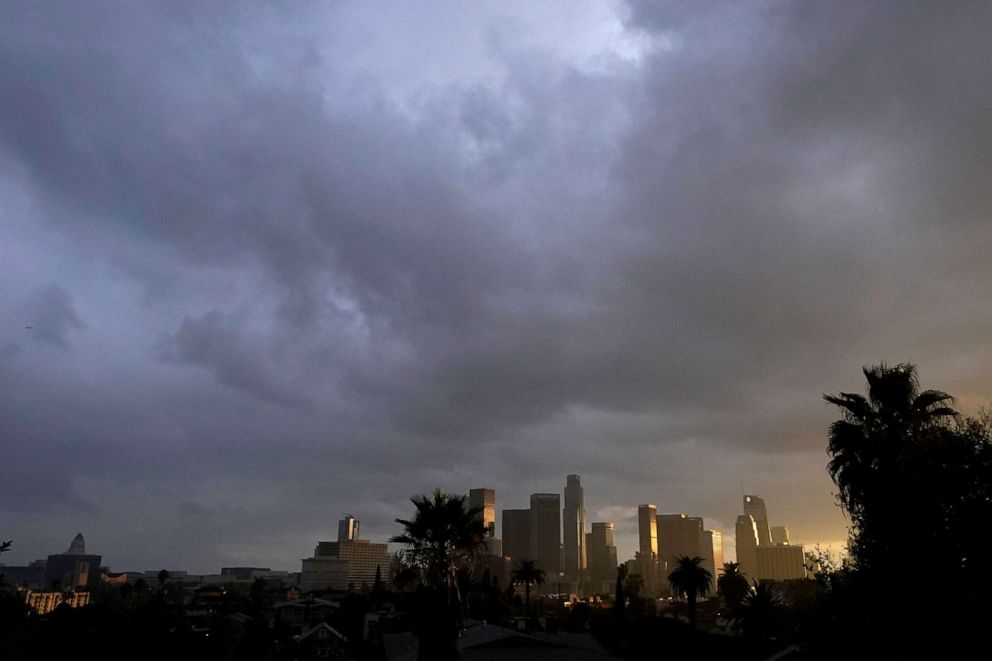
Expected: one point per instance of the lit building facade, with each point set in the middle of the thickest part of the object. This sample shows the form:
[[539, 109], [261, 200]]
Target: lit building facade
[[348, 529], [485, 500], [678, 535], [348, 564], [746, 532], [755, 507], [781, 536], [647, 530], [711, 551], [42, 602], [780, 563]]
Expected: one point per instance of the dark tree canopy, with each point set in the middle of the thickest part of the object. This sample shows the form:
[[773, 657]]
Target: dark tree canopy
[[915, 480]]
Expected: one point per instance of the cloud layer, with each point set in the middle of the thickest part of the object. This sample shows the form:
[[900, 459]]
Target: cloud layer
[[280, 265]]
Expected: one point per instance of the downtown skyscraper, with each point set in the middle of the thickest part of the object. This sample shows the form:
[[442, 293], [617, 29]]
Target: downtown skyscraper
[[545, 533], [755, 506], [574, 528]]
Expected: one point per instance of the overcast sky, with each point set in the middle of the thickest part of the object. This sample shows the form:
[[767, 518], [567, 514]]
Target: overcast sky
[[263, 264]]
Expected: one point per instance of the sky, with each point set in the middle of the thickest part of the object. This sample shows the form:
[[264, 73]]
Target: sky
[[264, 264]]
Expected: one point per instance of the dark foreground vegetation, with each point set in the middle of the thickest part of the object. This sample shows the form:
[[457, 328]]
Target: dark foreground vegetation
[[914, 477]]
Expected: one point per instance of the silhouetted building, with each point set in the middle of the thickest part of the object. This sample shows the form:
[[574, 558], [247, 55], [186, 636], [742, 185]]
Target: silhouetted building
[[545, 533], [746, 532], [574, 528], [245, 573], [602, 556], [780, 563], [781, 536], [74, 568], [347, 529], [755, 506], [516, 534], [31, 576], [486, 500]]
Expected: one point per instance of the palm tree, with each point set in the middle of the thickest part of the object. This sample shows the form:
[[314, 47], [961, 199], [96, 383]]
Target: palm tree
[[732, 586], [756, 616], [690, 579], [529, 573], [869, 433], [442, 533], [869, 446], [441, 537]]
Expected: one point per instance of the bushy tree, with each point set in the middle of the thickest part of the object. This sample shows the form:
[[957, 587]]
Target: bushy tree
[[914, 479]]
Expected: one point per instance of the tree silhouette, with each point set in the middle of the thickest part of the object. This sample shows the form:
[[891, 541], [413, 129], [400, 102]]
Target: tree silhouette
[[442, 536], [756, 616], [691, 580], [529, 573], [619, 599], [866, 443], [633, 585], [913, 477], [732, 586]]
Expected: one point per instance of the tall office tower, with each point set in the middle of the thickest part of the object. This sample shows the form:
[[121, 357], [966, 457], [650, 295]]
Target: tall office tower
[[647, 530], [75, 568], [755, 506], [746, 531], [516, 534], [781, 536], [349, 563], [602, 555], [574, 527], [486, 500], [711, 550], [348, 529], [545, 533], [678, 535]]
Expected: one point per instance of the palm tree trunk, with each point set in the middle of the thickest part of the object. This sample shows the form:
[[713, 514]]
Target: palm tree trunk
[[527, 607], [692, 611]]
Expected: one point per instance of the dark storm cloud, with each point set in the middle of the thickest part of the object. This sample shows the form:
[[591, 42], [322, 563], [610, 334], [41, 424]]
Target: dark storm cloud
[[336, 261], [50, 316]]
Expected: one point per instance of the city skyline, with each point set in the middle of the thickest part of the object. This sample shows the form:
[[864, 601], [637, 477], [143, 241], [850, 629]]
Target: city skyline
[[263, 267], [347, 528]]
